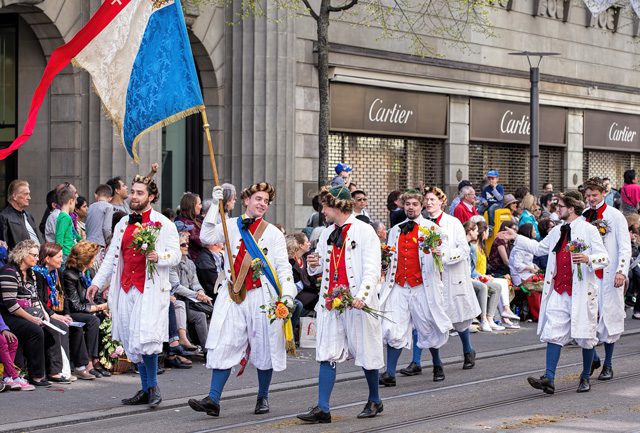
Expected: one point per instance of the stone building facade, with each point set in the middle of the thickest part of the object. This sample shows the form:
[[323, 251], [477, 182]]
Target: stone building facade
[[398, 118]]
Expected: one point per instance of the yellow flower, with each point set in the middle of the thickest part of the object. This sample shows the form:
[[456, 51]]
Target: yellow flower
[[424, 230], [139, 239], [337, 302]]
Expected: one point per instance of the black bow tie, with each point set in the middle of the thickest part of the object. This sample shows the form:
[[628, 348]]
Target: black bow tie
[[335, 238], [433, 220], [565, 235], [135, 218], [248, 222], [590, 215], [407, 227]]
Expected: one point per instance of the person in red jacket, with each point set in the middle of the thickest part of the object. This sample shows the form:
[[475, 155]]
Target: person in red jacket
[[466, 208]]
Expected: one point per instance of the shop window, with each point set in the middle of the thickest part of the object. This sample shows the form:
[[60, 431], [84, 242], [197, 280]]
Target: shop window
[[608, 164], [8, 98], [384, 164]]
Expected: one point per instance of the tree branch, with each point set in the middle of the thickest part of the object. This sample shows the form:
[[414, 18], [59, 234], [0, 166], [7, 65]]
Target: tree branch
[[313, 13], [344, 7]]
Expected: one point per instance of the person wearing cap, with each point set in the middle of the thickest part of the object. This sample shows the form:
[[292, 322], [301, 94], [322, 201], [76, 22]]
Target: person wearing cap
[[611, 279], [569, 304], [343, 175], [512, 203], [239, 332], [347, 255], [412, 292], [492, 194]]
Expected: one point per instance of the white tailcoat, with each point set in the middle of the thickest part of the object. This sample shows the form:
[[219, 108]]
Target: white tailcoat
[[431, 282], [618, 245], [154, 312], [265, 353], [584, 305], [460, 301], [352, 334]]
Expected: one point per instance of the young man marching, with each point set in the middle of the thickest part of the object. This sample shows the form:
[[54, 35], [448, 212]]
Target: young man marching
[[238, 327], [614, 231], [347, 255], [460, 301], [412, 292], [139, 299], [569, 305]]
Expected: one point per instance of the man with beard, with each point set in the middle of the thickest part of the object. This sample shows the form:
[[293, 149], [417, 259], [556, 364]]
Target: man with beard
[[412, 292], [239, 330], [347, 257], [569, 304], [460, 301], [139, 299], [617, 242]]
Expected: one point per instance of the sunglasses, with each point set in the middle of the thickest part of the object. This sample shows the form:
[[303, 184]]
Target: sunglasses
[[184, 245]]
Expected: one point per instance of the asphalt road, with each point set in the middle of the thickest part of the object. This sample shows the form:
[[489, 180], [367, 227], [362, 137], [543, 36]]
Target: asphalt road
[[493, 397]]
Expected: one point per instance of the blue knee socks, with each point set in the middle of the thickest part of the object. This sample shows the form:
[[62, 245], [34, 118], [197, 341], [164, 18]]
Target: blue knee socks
[[435, 353], [417, 352], [142, 372], [465, 337], [264, 380], [218, 379], [151, 367], [326, 379], [553, 356], [373, 377], [393, 355], [587, 359], [608, 354]]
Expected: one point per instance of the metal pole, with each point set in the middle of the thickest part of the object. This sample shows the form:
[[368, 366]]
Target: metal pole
[[534, 166]]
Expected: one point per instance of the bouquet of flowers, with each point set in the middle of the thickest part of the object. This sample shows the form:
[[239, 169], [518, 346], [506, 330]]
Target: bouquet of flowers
[[341, 299], [111, 352], [577, 246], [429, 240], [278, 309], [144, 241], [256, 269], [387, 252], [534, 283], [602, 226]]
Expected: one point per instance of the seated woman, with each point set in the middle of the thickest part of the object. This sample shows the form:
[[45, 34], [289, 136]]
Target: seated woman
[[500, 250], [25, 316], [522, 267], [75, 281]]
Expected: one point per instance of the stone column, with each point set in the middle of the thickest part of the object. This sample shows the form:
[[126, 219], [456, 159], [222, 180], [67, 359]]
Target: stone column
[[573, 156], [456, 152], [259, 96]]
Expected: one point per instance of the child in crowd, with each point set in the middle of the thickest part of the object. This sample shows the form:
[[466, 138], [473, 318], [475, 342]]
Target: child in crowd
[[8, 349]]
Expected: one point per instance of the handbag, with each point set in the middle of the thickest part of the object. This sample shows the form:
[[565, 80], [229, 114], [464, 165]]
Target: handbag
[[203, 307], [30, 308]]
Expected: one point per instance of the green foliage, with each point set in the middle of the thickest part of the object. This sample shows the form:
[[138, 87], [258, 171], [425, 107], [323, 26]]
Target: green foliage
[[108, 345]]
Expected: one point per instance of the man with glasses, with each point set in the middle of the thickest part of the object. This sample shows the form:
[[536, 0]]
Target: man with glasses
[[16, 223], [360, 202], [466, 209]]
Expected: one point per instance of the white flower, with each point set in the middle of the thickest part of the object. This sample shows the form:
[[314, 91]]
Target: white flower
[[144, 247]]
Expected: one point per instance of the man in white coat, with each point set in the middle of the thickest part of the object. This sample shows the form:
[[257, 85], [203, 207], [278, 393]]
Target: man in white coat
[[460, 301], [239, 330], [138, 299], [348, 255], [569, 304], [412, 291], [617, 241]]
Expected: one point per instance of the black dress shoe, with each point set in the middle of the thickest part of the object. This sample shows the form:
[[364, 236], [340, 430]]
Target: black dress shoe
[[595, 364], [206, 405], [584, 385], [411, 370], [371, 409], [606, 373], [315, 416], [180, 350], [438, 373], [154, 396], [469, 360], [141, 397], [44, 383], [543, 383], [262, 406], [103, 371], [96, 373], [174, 362], [386, 380]]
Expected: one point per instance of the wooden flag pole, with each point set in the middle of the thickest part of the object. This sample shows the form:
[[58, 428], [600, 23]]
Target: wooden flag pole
[[216, 181]]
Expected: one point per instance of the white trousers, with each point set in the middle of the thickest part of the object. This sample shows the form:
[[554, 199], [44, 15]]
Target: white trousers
[[128, 317], [408, 308], [557, 328]]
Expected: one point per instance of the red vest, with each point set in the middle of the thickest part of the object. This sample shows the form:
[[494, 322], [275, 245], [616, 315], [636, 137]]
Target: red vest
[[408, 270], [134, 271], [337, 256], [564, 271], [249, 284], [599, 216]]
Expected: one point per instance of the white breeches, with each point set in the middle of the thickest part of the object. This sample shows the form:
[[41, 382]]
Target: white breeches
[[408, 308], [128, 317], [557, 328]]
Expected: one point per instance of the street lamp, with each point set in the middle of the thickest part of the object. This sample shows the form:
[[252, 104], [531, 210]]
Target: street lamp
[[534, 114]]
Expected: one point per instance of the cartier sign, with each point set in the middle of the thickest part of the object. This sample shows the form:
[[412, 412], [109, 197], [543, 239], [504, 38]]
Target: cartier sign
[[376, 110], [613, 131], [509, 122]]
